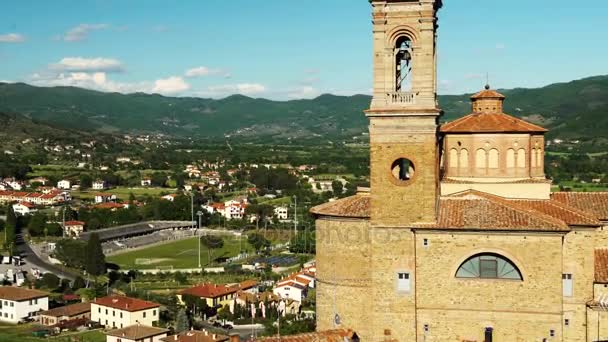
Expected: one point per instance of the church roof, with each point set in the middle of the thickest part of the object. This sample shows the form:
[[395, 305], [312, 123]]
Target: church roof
[[490, 123], [592, 202], [487, 94], [476, 210], [357, 206]]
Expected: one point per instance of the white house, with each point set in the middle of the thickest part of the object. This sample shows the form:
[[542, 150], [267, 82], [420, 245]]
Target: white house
[[146, 182], [104, 198], [282, 213], [64, 184], [120, 311], [137, 333], [24, 208], [18, 303], [73, 228], [291, 289], [99, 185], [16, 185]]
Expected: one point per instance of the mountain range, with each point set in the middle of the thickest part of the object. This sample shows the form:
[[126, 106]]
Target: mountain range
[[572, 110]]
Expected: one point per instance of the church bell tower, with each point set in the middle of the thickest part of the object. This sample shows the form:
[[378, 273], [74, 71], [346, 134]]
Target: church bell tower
[[404, 113]]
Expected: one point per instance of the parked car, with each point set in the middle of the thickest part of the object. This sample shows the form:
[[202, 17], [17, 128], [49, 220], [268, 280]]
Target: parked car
[[227, 327]]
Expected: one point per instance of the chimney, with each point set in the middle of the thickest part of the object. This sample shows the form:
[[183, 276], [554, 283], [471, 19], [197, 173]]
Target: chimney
[[235, 338]]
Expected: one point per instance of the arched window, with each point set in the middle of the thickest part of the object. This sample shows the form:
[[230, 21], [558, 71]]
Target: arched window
[[464, 159], [480, 159], [534, 161], [453, 158], [493, 159], [521, 158], [488, 266], [510, 158]]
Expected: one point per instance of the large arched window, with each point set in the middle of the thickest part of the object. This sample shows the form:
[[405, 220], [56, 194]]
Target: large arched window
[[453, 158], [488, 266]]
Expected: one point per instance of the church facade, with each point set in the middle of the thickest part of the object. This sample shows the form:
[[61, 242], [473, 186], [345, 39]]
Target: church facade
[[459, 237]]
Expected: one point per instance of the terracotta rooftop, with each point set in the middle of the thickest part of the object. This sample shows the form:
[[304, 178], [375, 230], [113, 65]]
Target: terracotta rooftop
[[125, 303], [471, 210], [213, 290], [506, 181], [570, 215], [591, 202], [137, 332], [338, 335], [487, 93], [20, 294], [490, 123], [68, 310], [357, 206], [196, 336], [74, 223], [601, 265]]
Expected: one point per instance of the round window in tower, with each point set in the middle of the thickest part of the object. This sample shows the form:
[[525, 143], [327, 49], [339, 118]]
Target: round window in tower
[[403, 170]]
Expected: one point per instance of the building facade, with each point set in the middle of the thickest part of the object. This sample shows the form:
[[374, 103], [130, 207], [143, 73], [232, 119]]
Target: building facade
[[121, 312], [18, 303], [459, 237]]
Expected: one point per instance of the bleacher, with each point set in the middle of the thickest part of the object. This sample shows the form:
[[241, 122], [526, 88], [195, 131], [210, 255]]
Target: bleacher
[[135, 229]]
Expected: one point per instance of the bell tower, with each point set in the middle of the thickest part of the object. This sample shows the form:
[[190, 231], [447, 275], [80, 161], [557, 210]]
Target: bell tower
[[404, 113]]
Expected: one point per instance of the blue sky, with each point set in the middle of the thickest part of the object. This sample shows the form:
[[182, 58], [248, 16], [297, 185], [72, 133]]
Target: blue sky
[[287, 49]]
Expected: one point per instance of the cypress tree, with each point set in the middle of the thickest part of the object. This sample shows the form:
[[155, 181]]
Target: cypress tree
[[10, 230], [181, 321], [95, 263]]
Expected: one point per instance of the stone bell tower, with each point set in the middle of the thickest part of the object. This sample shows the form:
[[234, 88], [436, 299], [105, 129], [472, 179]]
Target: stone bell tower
[[404, 113]]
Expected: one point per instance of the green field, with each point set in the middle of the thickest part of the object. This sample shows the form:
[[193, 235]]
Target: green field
[[23, 333], [179, 254], [123, 193]]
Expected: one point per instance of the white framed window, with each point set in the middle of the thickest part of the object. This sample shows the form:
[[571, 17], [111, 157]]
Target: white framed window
[[403, 282], [567, 284]]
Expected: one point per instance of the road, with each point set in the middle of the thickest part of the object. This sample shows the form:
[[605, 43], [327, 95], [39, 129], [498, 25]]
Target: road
[[34, 261]]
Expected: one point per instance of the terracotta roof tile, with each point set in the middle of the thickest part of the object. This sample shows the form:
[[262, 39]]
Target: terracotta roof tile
[[506, 181], [137, 332], [357, 206], [490, 123], [337, 335], [196, 336], [68, 310], [487, 94], [476, 210], [571, 216], [212, 290], [20, 294], [595, 203], [601, 265], [125, 303]]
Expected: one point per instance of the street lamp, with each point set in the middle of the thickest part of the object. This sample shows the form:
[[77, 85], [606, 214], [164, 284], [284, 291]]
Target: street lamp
[[198, 238]]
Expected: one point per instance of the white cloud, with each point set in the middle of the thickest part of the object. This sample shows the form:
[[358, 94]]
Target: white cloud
[[171, 85], [80, 64], [95, 80], [81, 32], [201, 71], [12, 38]]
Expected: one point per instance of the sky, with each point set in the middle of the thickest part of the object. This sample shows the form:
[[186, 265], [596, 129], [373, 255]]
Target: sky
[[287, 49]]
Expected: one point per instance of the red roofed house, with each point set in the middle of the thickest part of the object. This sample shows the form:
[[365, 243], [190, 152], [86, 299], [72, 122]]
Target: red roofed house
[[73, 228], [24, 208], [218, 295], [120, 311], [459, 233]]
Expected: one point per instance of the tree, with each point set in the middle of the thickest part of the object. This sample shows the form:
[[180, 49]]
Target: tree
[[181, 321], [86, 181], [212, 242], [95, 259], [79, 283], [258, 241], [49, 281], [71, 252], [304, 242], [10, 230], [37, 224], [337, 187], [196, 304]]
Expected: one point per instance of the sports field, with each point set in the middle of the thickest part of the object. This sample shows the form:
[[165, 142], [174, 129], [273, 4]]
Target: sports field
[[179, 254]]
